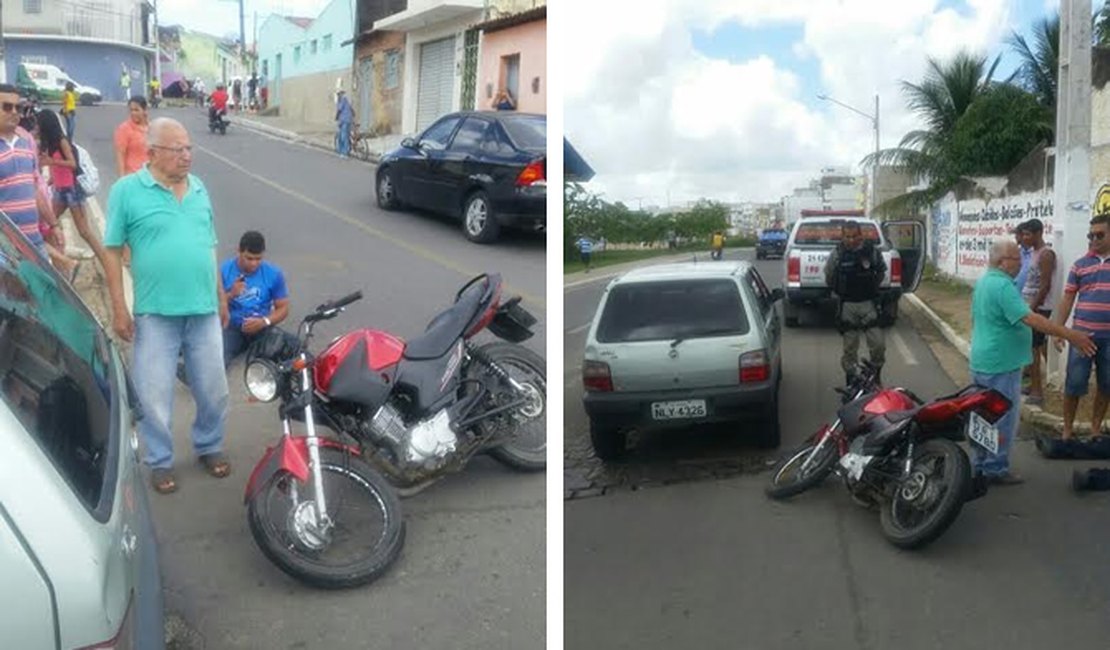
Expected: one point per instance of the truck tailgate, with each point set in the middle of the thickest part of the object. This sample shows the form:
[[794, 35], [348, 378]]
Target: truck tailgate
[[813, 267]]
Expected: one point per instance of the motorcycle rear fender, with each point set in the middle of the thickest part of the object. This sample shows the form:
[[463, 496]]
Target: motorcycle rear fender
[[289, 455]]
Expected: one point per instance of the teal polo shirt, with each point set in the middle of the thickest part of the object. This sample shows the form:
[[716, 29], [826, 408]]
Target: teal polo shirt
[[1000, 342], [172, 244]]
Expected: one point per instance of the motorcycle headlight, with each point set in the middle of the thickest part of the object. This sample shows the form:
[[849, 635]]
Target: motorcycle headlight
[[262, 380]]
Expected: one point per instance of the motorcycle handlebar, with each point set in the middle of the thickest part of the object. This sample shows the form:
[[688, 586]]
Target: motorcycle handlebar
[[341, 302]]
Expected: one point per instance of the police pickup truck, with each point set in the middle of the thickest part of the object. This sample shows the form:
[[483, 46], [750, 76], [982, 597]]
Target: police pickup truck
[[812, 240]]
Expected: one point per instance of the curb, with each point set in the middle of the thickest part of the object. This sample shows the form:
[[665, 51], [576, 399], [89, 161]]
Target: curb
[[292, 136], [1032, 414]]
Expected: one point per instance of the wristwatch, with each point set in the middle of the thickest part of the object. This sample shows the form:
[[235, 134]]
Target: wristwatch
[[267, 320]]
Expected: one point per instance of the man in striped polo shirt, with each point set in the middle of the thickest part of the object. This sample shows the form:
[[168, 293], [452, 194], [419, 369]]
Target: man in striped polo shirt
[[1088, 291], [18, 192]]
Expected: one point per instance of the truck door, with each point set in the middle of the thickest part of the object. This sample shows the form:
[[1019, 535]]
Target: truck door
[[908, 238]]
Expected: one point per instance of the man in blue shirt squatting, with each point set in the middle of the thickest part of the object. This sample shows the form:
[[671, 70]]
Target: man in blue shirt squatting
[[165, 215], [257, 298], [1002, 327]]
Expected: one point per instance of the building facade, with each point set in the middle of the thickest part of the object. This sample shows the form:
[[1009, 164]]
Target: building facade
[[94, 42], [379, 69], [836, 189], [513, 56]]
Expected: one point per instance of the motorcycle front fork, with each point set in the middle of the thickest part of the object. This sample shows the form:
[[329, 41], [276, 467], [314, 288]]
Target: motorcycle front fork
[[323, 521], [827, 439]]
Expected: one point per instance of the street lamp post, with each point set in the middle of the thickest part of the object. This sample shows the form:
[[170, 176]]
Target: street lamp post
[[875, 164]]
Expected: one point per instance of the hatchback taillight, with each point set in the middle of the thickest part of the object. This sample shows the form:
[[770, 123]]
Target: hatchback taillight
[[794, 269], [596, 377], [896, 270], [754, 367], [535, 172]]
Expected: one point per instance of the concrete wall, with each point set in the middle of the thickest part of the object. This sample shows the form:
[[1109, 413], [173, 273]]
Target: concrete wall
[[92, 64], [386, 104], [530, 42], [309, 98]]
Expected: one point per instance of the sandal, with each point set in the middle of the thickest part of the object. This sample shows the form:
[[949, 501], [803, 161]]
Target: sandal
[[216, 464], [163, 481]]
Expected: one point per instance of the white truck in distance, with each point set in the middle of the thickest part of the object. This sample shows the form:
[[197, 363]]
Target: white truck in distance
[[812, 240]]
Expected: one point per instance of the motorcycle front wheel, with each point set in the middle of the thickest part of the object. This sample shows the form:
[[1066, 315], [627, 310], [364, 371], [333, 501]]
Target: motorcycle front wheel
[[788, 479], [366, 537], [526, 427], [926, 504]]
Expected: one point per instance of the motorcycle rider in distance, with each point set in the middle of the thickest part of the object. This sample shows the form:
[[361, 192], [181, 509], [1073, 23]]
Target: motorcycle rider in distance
[[717, 244], [854, 271], [218, 102]]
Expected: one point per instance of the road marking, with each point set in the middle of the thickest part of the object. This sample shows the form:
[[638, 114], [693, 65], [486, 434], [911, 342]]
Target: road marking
[[419, 251], [903, 349], [578, 329]]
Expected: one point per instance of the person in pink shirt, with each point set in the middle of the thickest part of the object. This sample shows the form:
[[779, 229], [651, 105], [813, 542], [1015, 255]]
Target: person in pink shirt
[[48, 222], [130, 138]]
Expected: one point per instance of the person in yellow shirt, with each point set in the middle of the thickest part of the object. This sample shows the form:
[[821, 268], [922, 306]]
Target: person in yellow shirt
[[155, 92], [717, 244], [69, 108]]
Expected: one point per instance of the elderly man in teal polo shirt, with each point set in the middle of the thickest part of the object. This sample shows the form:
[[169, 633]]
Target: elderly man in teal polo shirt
[[1001, 345], [164, 214]]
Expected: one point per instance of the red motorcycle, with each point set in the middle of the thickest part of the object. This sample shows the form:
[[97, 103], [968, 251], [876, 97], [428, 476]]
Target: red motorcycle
[[899, 453], [327, 510]]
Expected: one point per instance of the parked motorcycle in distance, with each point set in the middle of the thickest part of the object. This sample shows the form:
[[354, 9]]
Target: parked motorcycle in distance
[[898, 453], [326, 510]]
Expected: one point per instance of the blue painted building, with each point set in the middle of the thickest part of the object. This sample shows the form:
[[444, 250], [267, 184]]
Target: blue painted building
[[96, 64]]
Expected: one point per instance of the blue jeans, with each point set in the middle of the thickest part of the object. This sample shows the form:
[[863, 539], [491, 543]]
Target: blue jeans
[[1009, 384], [158, 341], [71, 124], [344, 138], [1079, 370]]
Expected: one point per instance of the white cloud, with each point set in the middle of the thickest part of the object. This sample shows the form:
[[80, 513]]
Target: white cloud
[[651, 114]]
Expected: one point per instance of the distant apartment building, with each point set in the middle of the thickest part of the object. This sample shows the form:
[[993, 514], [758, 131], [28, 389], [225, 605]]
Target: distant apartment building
[[836, 189]]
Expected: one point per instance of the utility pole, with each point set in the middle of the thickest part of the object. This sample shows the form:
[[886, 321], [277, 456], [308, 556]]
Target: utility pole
[[157, 46], [1071, 204], [871, 202]]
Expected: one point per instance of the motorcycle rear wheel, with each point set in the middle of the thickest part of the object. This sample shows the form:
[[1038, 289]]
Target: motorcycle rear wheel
[[926, 505], [275, 529], [786, 481], [526, 450]]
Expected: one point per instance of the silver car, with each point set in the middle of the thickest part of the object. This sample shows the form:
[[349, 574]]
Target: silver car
[[681, 344], [78, 561]]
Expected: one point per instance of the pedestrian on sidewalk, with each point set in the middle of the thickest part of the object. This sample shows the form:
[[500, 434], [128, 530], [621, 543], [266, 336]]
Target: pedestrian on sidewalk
[[252, 92], [69, 109], [854, 271], [1087, 291], [1026, 255], [56, 152], [125, 84], [504, 101], [52, 232], [130, 138], [345, 116], [585, 249], [1035, 291], [1002, 327], [164, 213]]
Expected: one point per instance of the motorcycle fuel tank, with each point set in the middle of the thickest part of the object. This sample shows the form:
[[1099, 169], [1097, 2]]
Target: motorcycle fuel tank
[[359, 366]]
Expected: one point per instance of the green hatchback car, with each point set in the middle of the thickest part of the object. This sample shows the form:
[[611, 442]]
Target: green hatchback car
[[78, 559]]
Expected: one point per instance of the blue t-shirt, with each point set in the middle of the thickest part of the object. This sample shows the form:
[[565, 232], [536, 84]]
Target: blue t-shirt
[[263, 287]]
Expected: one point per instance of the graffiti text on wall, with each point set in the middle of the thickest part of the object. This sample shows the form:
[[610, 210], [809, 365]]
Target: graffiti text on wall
[[981, 223]]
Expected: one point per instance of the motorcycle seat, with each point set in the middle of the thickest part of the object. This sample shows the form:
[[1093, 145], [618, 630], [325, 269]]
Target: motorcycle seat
[[445, 328]]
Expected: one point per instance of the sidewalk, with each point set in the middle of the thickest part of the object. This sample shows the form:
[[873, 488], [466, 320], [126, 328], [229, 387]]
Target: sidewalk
[[319, 136], [948, 307]]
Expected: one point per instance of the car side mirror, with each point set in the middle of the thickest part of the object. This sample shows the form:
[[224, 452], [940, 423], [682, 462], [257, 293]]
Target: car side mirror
[[777, 295], [409, 143]]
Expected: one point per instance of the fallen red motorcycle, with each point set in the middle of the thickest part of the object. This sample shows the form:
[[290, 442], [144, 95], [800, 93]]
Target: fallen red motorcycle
[[327, 510], [899, 454]]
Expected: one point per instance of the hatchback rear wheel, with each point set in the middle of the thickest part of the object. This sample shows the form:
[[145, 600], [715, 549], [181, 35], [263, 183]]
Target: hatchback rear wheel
[[610, 442]]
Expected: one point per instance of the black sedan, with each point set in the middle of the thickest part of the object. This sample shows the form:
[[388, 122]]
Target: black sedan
[[488, 169]]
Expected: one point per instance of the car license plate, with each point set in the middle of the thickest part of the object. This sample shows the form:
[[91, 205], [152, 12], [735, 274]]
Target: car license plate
[[982, 433], [678, 410]]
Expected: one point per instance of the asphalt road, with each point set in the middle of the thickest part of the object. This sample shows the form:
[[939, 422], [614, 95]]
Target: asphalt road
[[472, 573], [712, 563]]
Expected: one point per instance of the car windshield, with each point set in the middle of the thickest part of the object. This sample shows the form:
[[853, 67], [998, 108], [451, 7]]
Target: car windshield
[[55, 373], [828, 233], [527, 131], [671, 310], [774, 234]]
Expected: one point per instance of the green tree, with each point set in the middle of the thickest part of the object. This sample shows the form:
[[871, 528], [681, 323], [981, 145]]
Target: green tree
[[1040, 62], [999, 129]]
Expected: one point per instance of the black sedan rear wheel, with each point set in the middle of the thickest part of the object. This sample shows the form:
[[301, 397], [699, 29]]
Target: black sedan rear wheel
[[478, 221], [387, 191]]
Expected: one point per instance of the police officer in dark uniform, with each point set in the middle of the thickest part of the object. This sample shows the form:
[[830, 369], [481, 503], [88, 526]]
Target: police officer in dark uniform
[[854, 271]]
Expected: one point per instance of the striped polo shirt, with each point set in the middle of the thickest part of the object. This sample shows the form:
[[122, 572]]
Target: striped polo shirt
[[17, 186], [1089, 277]]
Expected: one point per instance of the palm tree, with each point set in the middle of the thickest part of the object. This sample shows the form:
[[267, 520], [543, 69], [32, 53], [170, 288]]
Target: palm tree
[[1040, 63], [1101, 27], [945, 94]]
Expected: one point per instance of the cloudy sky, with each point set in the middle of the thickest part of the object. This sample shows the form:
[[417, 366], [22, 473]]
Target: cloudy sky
[[718, 98], [221, 17]]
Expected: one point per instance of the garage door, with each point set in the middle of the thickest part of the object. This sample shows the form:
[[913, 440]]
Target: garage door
[[437, 76]]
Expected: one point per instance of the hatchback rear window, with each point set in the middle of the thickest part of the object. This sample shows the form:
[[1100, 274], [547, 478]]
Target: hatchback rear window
[[679, 309], [527, 132], [828, 234]]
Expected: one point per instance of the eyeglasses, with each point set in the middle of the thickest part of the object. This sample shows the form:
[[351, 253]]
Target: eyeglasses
[[9, 107], [177, 151], [1091, 236]]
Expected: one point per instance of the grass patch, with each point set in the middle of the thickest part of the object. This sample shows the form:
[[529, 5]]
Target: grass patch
[[609, 258], [943, 282]]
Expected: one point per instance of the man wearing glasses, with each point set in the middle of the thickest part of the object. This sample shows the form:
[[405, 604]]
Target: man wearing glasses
[[18, 169], [164, 214], [1088, 291], [1001, 345]]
